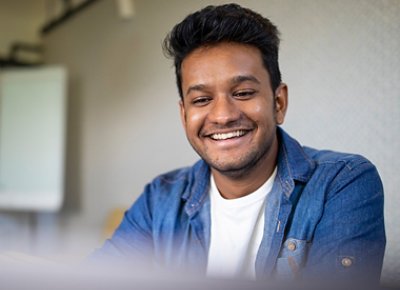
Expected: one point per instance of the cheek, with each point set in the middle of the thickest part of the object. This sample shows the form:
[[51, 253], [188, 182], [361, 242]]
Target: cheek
[[260, 112], [194, 119], [258, 109]]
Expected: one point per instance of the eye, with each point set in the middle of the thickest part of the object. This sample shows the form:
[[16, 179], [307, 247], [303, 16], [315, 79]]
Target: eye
[[244, 95], [201, 101]]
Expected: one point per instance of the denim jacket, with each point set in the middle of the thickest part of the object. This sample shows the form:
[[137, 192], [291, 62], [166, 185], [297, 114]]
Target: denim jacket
[[323, 218]]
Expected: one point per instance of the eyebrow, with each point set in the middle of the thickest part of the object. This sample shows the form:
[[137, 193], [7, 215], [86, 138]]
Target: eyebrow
[[244, 78], [199, 87], [234, 81]]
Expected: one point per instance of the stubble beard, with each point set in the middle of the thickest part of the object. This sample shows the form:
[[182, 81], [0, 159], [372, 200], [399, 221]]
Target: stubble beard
[[242, 167]]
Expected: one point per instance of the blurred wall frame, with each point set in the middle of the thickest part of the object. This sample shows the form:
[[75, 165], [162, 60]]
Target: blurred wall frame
[[32, 138]]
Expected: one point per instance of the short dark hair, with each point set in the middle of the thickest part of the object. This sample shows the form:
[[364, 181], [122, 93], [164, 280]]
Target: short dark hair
[[224, 23]]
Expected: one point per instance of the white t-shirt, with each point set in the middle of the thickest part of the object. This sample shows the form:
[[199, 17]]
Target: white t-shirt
[[237, 227]]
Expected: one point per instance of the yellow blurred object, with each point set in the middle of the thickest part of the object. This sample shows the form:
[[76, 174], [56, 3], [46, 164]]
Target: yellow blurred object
[[112, 221]]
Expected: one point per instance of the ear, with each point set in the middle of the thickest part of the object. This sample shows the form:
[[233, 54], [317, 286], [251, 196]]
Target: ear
[[183, 113], [281, 103]]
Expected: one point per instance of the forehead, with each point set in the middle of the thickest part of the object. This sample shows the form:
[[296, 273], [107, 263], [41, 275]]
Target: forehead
[[221, 62]]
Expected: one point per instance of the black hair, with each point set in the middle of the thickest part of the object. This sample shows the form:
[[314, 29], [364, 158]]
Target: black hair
[[224, 23]]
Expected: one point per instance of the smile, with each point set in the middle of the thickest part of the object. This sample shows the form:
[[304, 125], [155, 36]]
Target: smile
[[229, 135]]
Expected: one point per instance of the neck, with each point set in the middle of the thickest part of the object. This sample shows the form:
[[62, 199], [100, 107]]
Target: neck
[[231, 186]]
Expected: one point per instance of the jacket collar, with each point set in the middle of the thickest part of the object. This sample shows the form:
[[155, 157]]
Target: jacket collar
[[198, 187], [293, 162]]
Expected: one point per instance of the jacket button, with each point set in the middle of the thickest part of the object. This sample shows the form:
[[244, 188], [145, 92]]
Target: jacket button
[[346, 262], [291, 246]]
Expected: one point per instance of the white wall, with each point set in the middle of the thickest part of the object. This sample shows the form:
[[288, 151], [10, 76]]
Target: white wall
[[339, 58]]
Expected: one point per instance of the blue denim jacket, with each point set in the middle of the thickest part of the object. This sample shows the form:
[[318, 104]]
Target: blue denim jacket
[[323, 217]]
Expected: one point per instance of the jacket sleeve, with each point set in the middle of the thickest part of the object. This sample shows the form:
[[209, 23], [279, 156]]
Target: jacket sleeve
[[349, 240], [132, 242]]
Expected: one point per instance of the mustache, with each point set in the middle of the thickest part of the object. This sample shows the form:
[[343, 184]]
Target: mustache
[[234, 125]]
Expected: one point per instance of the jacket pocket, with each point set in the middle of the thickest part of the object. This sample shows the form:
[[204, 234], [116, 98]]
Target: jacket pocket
[[291, 259]]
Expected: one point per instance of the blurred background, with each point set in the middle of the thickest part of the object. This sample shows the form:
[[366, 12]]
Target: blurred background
[[97, 107]]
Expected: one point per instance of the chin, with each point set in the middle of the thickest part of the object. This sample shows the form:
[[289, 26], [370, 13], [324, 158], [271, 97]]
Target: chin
[[232, 169]]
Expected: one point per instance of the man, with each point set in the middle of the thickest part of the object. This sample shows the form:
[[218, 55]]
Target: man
[[257, 204]]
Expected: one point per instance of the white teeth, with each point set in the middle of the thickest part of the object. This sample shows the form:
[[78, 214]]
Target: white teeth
[[224, 136]]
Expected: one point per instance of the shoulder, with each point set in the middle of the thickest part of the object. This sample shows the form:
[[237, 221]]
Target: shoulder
[[326, 170], [174, 187], [171, 184], [344, 172], [303, 163], [175, 179], [340, 166], [340, 159]]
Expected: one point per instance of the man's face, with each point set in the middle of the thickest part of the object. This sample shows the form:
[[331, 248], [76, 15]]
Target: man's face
[[229, 111]]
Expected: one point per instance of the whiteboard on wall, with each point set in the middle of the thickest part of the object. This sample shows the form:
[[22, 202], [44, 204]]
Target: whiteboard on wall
[[32, 138]]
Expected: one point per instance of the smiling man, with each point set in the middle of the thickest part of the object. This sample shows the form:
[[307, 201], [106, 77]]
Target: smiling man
[[257, 205]]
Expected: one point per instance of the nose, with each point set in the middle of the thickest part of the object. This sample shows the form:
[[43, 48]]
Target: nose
[[224, 110]]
